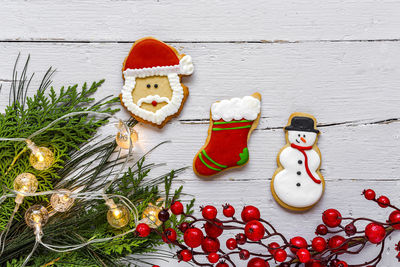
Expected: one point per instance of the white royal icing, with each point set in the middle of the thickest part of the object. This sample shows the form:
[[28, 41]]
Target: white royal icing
[[160, 115], [185, 67], [285, 182], [150, 98], [247, 108]]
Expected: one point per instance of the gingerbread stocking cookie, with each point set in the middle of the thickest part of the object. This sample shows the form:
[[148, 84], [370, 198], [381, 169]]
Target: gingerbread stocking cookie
[[298, 184], [152, 91], [231, 124]]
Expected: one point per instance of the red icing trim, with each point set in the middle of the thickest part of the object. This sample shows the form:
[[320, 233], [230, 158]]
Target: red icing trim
[[148, 53], [301, 149]]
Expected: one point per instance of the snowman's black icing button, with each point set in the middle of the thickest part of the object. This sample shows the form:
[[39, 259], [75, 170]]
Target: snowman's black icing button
[[298, 184], [299, 173], [300, 161]]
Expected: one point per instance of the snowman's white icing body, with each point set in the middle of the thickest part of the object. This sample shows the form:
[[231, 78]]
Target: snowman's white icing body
[[292, 184]]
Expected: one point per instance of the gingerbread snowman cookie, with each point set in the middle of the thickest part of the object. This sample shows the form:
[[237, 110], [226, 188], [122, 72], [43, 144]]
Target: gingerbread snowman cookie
[[231, 123], [152, 91], [298, 184]]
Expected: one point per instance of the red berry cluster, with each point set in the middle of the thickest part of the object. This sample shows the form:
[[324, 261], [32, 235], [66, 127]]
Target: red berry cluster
[[202, 237]]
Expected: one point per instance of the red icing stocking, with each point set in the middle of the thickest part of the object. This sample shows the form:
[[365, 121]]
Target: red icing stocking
[[226, 145]]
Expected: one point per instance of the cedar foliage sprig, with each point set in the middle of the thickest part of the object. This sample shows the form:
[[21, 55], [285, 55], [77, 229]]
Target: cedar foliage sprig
[[87, 218], [25, 115], [75, 148]]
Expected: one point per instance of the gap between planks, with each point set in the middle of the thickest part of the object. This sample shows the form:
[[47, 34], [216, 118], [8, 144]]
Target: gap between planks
[[202, 42], [320, 125], [268, 179]]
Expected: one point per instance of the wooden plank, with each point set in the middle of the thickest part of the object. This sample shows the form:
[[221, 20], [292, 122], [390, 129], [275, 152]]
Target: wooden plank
[[352, 83], [335, 82], [182, 20], [361, 152], [344, 197], [337, 60]]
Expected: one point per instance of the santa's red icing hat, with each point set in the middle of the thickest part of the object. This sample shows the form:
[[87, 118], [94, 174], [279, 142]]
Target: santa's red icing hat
[[151, 57]]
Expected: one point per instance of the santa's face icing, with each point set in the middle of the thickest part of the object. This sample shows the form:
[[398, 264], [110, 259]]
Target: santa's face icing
[[152, 90], [302, 138], [152, 93], [153, 98]]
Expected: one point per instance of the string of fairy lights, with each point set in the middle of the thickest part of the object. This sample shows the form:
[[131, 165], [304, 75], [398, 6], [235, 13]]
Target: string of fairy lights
[[61, 200]]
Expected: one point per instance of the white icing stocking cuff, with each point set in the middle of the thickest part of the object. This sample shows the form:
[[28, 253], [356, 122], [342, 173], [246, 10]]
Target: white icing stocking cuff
[[236, 108]]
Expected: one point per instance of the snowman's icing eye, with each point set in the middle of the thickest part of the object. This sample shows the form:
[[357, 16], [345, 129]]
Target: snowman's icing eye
[[156, 86], [304, 135], [148, 85], [299, 135]]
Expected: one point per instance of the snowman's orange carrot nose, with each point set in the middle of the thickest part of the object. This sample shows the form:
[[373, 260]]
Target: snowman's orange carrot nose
[[302, 139]]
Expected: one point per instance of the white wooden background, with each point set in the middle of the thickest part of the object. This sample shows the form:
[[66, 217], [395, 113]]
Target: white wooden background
[[336, 59]]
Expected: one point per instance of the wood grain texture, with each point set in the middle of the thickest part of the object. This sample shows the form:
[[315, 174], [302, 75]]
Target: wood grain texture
[[355, 102], [338, 60], [182, 20]]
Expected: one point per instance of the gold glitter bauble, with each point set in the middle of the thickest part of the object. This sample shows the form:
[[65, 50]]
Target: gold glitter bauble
[[42, 158], [61, 201], [26, 183], [118, 216], [36, 215], [122, 138], [150, 216]]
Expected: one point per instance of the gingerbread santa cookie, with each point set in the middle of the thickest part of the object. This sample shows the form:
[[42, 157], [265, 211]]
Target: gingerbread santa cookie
[[152, 91], [231, 124], [298, 184]]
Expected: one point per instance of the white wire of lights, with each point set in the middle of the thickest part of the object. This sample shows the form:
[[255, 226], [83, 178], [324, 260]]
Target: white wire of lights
[[41, 158]]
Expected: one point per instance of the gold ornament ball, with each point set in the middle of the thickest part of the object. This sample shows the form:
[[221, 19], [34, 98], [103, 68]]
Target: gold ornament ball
[[42, 158], [122, 138], [61, 201], [118, 216], [150, 215], [26, 183], [36, 215]]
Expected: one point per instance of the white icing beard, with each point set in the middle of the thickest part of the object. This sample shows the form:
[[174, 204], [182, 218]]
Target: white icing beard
[[286, 181], [298, 137], [236, 108], [160, 115], [150, 98]]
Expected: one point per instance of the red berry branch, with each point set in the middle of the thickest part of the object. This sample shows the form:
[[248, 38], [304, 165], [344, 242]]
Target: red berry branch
[[347, 235]]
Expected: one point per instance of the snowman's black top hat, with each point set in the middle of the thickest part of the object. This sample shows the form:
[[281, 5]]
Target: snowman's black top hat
[[300, 123]]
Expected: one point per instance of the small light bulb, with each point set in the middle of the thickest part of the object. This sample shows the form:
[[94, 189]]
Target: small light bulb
[[150, 216], [117, 213], [25, 183], [61, 201], [122, 138], [36, 218], [36, 215], [41, 158], [118, 216]]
